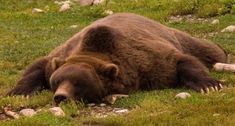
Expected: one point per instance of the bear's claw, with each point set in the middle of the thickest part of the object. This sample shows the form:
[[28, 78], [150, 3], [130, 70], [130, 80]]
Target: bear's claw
[[213, 89], [205, 85]]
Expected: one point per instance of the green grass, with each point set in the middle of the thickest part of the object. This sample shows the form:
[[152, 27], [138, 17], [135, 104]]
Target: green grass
[[25, 36]]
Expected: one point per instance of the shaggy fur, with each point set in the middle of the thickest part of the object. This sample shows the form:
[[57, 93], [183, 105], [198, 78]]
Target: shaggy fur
[[123, 53]]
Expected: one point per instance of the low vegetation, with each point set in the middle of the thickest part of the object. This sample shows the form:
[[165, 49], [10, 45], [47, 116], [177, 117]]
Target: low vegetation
[[25, 36]]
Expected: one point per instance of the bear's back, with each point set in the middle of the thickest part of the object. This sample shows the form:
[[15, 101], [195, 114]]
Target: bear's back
[[140, 28]]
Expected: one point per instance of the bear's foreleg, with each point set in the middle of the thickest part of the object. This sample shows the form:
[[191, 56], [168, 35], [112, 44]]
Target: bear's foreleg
[[193, 74], [33, 79]]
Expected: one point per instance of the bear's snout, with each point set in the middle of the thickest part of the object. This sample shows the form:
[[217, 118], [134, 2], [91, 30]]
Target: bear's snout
[[63, 92]]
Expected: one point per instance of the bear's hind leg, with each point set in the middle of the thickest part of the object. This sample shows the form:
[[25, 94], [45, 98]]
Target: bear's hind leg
[[32, 80], [193, 74]]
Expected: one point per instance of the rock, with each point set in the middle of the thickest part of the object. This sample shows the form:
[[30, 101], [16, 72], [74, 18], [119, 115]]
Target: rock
[[27, 112], [57, 111], [214, 22], [86, 2], [73, 26], [63, 2], [230, 28], [224, 67], [37, 10], [121, 111], [91, 105], [102, 105], [189, 16], [108, 12], [183, 95], [97, 2], [65, 7], [11, 114]]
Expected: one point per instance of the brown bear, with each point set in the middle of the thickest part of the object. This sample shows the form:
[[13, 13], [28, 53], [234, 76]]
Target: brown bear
[[122, 53]]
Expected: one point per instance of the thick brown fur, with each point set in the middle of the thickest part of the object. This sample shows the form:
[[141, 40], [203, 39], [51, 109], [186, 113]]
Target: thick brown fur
[[123, 53]]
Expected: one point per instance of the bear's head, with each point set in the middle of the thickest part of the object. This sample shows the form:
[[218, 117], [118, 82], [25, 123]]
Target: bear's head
[[81, 78]]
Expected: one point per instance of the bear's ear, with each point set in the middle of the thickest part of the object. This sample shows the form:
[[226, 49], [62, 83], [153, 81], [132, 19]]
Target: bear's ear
[[56, 63], [111, 70]]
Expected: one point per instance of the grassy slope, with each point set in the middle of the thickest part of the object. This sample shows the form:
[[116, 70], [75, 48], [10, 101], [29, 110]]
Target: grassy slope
[[25, 36]]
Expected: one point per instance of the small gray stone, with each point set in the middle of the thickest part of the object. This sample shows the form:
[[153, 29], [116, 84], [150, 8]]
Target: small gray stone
[[11, 113], [183, 95], [57, 111], [102, 105], [216, 21], [28, 112], [230, 28], [91, 105], [97, 2], [86, 2], [65, 7], [121, 111], [63, 2]]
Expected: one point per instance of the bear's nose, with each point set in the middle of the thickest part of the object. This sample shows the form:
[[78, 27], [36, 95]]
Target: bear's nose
[[63, 92], [59, 98]]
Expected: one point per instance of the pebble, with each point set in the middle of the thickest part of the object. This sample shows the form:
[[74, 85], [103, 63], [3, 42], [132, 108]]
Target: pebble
[[37, 10], [230, 28], [183, 95], [102, 105], [57, 111], [65, 7], [224, 67], [86, 2], [97, 2], [122, 111], [11, 114], [62, 2], [27, 112], [216, 21], [91, 105]]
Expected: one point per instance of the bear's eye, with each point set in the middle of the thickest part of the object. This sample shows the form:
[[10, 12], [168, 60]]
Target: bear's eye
[[55, 84]]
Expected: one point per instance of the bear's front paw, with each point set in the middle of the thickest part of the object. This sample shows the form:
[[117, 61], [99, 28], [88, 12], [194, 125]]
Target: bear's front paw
[[205, 85], [19, 90]]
